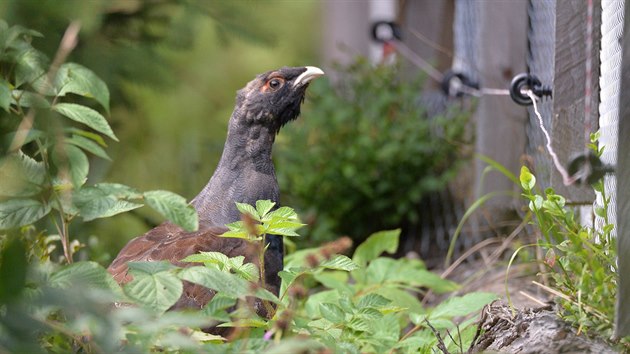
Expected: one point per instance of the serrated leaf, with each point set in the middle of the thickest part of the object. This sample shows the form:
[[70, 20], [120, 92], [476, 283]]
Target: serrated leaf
[[5, 95], [95, 202], [282, 213], [377, 243], [174, 208], [248, 209], [119, 190], [88, 274], [85, 115], [263, 207], [79, 80], [462, 305], [358, 324], [30, 65], [339, 262], [157, 291], [88, 145], [149, 267], [70, 159], [28, 99], [20, 212], [373, 300], [20, 175], [238, 234], [332, 312], [216, 308]]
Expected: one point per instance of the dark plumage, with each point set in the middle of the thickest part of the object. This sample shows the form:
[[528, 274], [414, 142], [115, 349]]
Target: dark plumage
[[245, 174]]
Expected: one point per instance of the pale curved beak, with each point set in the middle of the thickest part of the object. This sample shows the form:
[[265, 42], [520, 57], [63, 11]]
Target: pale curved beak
[[311, 73]]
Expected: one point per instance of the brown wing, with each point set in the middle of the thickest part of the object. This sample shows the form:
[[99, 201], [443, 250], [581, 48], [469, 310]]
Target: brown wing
[[169, 242]]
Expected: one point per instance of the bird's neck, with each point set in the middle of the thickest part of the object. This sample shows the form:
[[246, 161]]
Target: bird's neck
[[245, 174]]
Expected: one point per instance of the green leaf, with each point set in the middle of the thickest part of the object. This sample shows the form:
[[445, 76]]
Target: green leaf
[[283, 228], [5, 95], [174, 208], [263, 207], [13, 270], [528, 181], [28, 99], [373, 300], [20, 212], [216, 308], [224, 283], [462, 305], [87, 116], [92, 136], [332, 312], [282, 213], [77, 79], [118, 190], [20, 175], [87, 274], [156, 290], [96, 202], [29, 66], [248, 209], [70, 159], [149, 267], [377, 243], [217, 258], [88, 145], [339, 262]]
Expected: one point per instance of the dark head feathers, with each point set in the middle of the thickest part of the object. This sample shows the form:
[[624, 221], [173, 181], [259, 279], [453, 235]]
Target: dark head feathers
[[273, 98]]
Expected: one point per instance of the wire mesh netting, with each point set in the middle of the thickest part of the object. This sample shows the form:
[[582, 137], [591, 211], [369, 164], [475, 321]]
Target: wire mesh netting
[[609, 82]]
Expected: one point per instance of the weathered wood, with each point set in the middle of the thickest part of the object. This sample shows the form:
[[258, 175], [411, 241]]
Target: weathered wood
[[530, 331], [568, 121], [622, 327], [500, 123]]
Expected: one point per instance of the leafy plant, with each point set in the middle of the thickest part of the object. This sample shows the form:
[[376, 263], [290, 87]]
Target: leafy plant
[[581, 260], [371, 152], [54, 115]]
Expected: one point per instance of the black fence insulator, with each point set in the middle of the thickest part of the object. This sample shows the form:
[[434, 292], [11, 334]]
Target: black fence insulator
[[531, 82], [386, 31], [465, 81], [588, 168]]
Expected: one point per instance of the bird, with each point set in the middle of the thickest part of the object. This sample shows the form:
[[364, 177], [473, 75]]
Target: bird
[[245, 173]]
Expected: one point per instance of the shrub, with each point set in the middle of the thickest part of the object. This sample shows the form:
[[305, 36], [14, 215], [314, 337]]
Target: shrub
[[367, 152]]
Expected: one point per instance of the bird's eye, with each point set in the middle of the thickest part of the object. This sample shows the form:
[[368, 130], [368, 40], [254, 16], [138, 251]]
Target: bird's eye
[[275, 84]]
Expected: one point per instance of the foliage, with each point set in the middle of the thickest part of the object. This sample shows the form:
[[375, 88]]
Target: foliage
[[580, 260], [366, 304], [371, 151], [55, 118]]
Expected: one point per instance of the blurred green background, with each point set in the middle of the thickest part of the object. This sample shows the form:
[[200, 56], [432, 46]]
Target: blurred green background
[[173, 67]]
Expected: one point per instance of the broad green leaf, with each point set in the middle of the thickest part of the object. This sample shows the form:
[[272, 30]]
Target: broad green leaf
[[88, 145], [373, 300], [358, 324], [28, 99], [71, 161], [462, 305], [5, 95], [224, 283], [339, 262], [157, 291], [282, 213], [377, 243], [332, 312], [20, 212], [263, 207], [216, 308], [527, 179], [20, 175], [237, 234], [13, 270], [97, 138], [283, 228], [94, 202], [30, 66], [87, 274], [149, 267], [406, 273], [119, 190], [217, 258], [79, 80], [87, 116], [174, 208], [248, 209]]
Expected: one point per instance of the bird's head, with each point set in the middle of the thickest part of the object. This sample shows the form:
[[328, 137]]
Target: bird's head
[[273, 98]]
